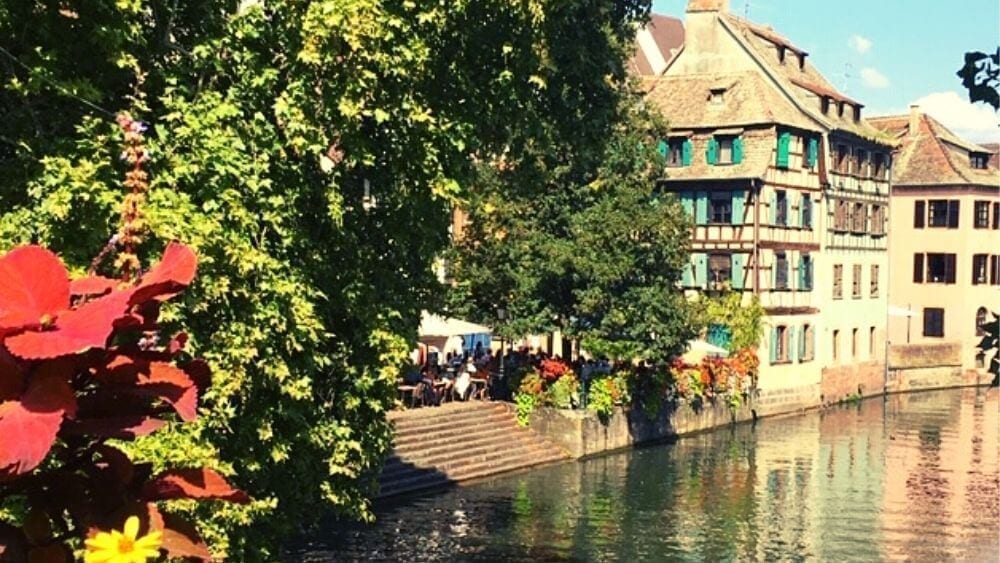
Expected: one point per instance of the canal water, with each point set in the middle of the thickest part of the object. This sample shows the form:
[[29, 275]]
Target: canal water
[[912, 477]]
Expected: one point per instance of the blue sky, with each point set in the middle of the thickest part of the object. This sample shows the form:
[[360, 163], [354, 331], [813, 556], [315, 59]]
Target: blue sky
[[888, 54]]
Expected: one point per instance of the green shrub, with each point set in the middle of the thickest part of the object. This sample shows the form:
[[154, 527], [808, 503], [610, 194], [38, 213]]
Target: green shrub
[[563, 393], [525, 405], [607, 392]]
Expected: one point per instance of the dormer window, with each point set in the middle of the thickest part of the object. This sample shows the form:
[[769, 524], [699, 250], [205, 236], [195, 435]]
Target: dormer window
[[716, 95], [857, 113], [979, 160], [840, 109], [802, 61], [824, 103], [781, 54]]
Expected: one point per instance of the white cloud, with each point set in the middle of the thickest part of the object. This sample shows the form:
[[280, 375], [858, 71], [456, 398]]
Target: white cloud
[[975, 122], [860, 44], [873, 78]]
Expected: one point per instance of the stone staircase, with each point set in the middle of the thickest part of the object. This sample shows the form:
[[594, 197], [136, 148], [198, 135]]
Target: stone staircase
[[455, 442]]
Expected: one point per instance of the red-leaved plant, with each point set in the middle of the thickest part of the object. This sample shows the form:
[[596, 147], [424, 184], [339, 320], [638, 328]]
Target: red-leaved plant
[[83, 362]]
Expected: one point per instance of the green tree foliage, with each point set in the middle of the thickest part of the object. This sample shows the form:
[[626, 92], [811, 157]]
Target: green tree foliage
[[583, 245], [267, 122], [981, 77], [742, 315]]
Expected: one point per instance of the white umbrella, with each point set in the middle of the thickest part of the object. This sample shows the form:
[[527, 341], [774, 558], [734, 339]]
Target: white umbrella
[[435, 326], [699, 349]]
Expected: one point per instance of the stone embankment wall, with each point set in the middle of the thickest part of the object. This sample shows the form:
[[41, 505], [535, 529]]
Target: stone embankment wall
[[841, 382], [913, 367], [581, 433]]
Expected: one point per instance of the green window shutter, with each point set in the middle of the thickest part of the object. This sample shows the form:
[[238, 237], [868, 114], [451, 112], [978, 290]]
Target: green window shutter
[[687, 202], [687, 151], [774, 345], [813, 152], [738, 199], [737, 150], [701, 208], [662, 148], [687, 276], [712, 152], [784, 142], [701, 270], [738, 271], [792, 348]]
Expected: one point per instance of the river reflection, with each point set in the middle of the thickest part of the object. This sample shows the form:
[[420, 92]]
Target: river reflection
[[914, 477]]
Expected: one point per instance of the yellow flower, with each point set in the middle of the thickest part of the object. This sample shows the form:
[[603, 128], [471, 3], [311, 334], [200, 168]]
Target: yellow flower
[[124, 546]]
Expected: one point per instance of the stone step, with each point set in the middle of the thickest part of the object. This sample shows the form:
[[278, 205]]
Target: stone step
[[499, 446], [431, 416], [429, 479], [416, 446], [452, 465], [451, 427]]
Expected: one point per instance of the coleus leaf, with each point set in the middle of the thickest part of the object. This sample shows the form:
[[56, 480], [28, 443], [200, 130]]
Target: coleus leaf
[[182, 540], [122, 427], [175, 271], [138, 376], [28, 426], [200, 483], [75, 331], [11, 376], [92, 285], [33, 284]]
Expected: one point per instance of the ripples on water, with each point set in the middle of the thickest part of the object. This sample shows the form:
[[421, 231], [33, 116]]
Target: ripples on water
[[914, 477]]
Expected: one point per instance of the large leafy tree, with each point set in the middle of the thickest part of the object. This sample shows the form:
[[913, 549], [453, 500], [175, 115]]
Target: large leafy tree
[[269, 122], [591, 249]]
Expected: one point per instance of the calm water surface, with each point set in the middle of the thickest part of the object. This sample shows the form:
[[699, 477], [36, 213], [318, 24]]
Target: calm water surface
[[914, 477]]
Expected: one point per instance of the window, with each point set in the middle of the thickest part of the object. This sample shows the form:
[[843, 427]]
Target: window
[[940, 268], [806, 211], [716, 96], [871, 342], [919, 214], [842, 153], [781, 207], [854, 343], [840, 216], [933, 321], [782, 150], [856, 282], [835, 348], [825, 105], [725, 150], [879, 165], [781, 344], [996, 215], [859, 218], [979, 160], [679, 152], [878, 220], [720, 207], [943, 213], [720, 268], [981, 321], [980, 360], [979, 269], [994, 270], [874, 281], [861, 163], [780, 271], [805, 272], [981, 217], [808, 343], [838, 281], [918, 268]]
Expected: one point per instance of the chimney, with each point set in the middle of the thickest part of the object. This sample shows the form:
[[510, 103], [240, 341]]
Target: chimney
[[915, 115], [708, 6]]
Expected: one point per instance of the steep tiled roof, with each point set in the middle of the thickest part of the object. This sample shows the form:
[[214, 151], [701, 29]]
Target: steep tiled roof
[[994, 149], [933, 155], [668, 37], [806, 84], [758, 145], [746, 100]]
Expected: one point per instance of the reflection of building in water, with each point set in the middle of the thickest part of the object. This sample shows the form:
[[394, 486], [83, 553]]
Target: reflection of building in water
[[942, 477]]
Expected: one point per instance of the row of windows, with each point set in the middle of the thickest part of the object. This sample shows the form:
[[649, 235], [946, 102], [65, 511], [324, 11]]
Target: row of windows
[[945, 213], [939, 267], [861, 163], [723, 207], [723, 271], [810, 151], [858, 217], [855, 344], [721, 149], [934, 322], [856, 282]]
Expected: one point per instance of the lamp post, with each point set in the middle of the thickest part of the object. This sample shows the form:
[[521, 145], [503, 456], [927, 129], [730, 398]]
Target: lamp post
[[502, 316]]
